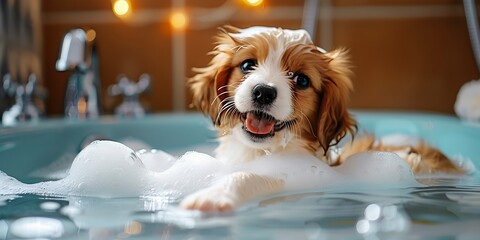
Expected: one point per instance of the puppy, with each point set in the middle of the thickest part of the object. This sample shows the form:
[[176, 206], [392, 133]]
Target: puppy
[[269, 91]]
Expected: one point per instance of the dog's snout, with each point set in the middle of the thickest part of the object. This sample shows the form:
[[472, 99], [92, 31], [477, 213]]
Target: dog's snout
[[264, 94]]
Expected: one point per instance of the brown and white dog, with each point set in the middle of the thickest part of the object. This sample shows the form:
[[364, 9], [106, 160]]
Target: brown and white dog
[[271, 90]]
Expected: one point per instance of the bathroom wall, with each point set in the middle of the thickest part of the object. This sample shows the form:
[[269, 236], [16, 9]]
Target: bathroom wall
[[406, 54]]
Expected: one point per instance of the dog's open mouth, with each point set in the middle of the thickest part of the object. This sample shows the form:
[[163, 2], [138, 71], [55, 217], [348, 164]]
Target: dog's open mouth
[[261, 125]]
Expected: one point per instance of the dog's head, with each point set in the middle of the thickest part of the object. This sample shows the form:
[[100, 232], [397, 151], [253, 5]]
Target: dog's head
[[267, 86]]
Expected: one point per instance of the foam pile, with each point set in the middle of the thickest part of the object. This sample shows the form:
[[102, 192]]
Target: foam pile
[[111, 169]]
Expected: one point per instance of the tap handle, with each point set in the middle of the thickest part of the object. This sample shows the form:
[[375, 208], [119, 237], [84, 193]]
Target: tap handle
[[9, 85], [120, 88], [130, 90], [128, 87], [143, 83], [31, 84]]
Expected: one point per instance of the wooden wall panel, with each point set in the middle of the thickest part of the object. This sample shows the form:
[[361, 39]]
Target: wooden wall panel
[[407, 63]]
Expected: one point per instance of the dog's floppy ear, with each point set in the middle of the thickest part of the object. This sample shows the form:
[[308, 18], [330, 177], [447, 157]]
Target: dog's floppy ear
[[208, 85], [334, 121]]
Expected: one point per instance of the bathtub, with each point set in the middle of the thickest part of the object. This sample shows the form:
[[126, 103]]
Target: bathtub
[[447, 208]]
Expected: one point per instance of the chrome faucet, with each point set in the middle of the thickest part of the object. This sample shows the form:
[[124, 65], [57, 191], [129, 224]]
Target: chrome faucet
[[82, 94], [23, 110], [130, 90]]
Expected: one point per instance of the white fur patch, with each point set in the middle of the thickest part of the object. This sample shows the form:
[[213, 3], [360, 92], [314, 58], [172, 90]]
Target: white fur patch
[[269, 73], [293, 36]]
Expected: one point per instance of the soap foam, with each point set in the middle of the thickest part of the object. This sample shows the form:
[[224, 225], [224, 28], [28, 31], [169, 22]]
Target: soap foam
[[111, 169]]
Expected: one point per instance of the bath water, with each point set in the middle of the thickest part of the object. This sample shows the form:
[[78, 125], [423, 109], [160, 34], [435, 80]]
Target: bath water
[[103, 197]]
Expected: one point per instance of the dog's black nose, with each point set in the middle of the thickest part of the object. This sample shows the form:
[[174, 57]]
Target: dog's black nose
[[264, 94]]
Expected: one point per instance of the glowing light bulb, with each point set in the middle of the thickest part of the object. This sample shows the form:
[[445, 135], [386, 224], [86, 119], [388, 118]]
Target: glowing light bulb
[[253, 3], [178, 20], [121, 7]]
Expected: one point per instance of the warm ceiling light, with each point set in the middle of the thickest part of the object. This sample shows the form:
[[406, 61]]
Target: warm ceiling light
[[253, 3], [121, 7], [178, 20]]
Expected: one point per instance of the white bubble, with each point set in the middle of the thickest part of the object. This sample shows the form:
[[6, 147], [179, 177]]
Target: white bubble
[[313, 230], [383, 219], [50, 206], [37, 227], [70, 210], [372, 212], [106, 169], [363, 227]]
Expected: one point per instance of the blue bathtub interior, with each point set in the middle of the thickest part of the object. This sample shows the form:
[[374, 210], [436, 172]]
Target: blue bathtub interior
[[447, 209]]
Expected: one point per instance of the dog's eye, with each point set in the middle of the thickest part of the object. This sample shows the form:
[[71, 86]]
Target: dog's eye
[[301, 81], [247, 65]]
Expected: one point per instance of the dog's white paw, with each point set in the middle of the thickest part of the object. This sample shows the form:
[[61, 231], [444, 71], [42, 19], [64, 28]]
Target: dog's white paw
[[210, 200]]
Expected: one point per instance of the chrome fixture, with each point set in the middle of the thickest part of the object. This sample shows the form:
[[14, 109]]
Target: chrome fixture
[[23, 110], [473, 29], [310, 15], [78, 54], [130, 91]]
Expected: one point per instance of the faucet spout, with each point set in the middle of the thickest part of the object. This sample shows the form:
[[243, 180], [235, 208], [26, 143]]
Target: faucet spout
[[78, 54]]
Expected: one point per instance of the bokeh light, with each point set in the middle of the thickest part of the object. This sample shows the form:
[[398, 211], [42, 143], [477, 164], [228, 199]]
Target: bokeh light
[[253, 3], [178, 20], [121, 7], [91, 35]]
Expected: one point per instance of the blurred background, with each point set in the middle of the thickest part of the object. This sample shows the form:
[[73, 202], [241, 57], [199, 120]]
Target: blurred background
[[407, 54]]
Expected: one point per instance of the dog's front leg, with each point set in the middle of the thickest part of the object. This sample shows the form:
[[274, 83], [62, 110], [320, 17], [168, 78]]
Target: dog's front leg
[[235, 189]]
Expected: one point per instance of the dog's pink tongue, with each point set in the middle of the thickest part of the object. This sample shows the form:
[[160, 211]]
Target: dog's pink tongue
[[258, 125]]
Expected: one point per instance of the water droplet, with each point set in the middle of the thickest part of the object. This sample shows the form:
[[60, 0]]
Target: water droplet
[[313, 230], [37, 227], [141, 152], [383, 219], [70, 210], [363, 227], [372, 212]]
